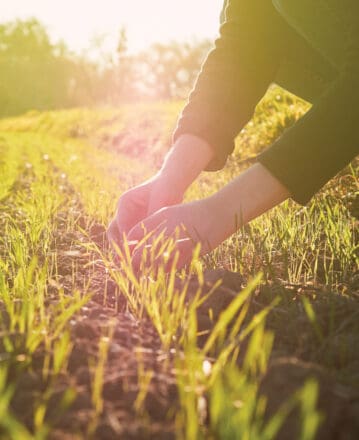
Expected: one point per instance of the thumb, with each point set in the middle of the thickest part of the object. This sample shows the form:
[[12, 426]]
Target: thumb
[[137, 233]]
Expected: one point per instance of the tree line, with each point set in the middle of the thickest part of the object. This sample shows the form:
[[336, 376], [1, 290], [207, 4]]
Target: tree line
[[38, 74]]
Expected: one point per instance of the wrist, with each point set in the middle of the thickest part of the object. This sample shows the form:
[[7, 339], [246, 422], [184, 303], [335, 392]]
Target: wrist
[[251, 194], [187, 158]]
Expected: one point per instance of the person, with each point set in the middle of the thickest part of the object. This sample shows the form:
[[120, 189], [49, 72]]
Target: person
[[309, 47]]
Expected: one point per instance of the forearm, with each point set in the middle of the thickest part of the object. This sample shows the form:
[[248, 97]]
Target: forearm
[[185, 161], [234, 77], [251, 194]]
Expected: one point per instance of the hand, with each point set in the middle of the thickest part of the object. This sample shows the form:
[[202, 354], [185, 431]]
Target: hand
[[187, 158], [139, 202], [188, 224]]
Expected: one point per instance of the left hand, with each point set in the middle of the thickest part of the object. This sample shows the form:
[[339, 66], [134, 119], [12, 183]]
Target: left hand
[[188, 224]]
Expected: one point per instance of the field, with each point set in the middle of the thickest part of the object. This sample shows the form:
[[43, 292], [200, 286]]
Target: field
[[258, 340]]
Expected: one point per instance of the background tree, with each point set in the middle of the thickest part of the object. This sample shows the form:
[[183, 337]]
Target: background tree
[[32, 70], [168, 71], [38, 74]]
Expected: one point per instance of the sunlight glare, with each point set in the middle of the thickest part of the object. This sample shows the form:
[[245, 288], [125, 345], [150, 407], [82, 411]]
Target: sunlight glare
[[77, 22]]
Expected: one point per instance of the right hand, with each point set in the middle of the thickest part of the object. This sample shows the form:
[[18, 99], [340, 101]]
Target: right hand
[[186, 159], [140, 202]]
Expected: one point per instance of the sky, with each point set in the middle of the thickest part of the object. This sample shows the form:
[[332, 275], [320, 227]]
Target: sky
[[77, 22]]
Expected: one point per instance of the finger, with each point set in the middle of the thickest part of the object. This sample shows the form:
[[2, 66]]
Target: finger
[[112, 233], [179, 256], [136, 261], [185, 248], [124, 221], [151, 225], [137, 233], [129, 212]]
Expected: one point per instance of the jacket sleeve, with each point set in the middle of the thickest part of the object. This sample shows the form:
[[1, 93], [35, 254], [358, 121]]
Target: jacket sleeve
[[232, 80], [323, 141]]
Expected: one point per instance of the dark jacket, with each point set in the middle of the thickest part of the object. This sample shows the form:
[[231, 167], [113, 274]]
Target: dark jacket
[[257, 37]]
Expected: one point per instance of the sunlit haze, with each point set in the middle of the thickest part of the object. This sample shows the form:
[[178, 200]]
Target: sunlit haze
[[80, 22]]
